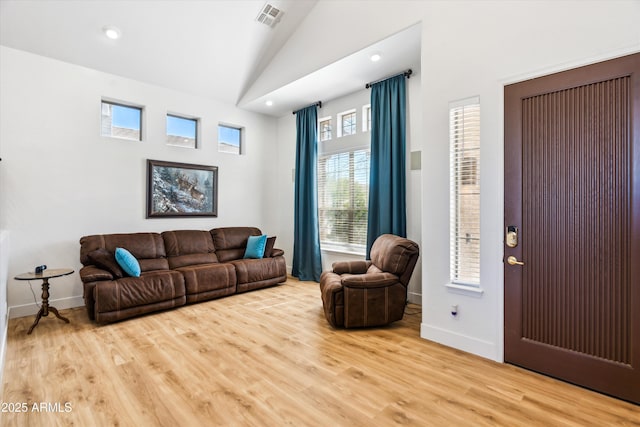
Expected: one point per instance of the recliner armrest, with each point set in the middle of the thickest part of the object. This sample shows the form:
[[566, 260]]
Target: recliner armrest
[[91, 273], [372, 280], [350, 267], [276, 252]]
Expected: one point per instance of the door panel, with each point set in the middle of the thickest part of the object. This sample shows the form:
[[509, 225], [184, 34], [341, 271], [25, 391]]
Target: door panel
[[572, 187]]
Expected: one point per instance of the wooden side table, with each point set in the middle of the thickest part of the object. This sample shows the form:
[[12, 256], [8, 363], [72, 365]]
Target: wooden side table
[[45, 276]]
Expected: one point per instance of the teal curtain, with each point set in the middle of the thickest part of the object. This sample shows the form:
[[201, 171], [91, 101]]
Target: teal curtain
[[307, 264], [387, 179]]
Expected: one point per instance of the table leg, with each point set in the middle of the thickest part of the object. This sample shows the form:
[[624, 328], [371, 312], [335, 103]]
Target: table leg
[[38, 317], [45, 309], [55, 311], [45, 297]]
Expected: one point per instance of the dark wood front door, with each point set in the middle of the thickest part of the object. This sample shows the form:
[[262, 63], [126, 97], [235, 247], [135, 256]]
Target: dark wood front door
[[572, 202]]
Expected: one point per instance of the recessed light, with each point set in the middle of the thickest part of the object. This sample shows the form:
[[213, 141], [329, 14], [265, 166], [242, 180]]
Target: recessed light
[[375, 57], [111, 32], [269, 103]]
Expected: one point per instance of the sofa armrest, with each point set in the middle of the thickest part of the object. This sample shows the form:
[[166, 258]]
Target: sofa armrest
[[276, 252], [372, 280], [91, 273], [351, 267]]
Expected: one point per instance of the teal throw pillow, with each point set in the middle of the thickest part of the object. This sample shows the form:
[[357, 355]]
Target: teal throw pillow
[[255, 246], [128, 262]]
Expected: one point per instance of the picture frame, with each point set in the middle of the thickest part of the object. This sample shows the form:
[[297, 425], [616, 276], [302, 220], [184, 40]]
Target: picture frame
[[181, 190]]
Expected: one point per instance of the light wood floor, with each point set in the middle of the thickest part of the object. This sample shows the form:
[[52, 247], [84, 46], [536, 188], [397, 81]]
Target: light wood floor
[[269, 358]]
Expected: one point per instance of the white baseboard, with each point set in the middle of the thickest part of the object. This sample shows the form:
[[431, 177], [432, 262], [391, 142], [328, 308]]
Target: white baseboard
[[414, 298], [32, 309], [472, 345]]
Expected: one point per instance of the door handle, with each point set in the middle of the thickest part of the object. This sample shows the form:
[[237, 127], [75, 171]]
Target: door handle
[[514, 261]]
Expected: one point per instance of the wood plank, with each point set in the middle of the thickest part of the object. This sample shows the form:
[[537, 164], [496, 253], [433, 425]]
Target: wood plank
[[269, 357]]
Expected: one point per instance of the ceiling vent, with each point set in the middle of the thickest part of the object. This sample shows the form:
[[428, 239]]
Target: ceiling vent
[[269, 15]]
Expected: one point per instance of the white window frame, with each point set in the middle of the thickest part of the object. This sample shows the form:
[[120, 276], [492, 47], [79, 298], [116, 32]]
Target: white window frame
[[339, 120], [196, 143], [351, 247], [320, 121], [366, 118], [332, 147], [112, 101], [241, 147], [465, 145]]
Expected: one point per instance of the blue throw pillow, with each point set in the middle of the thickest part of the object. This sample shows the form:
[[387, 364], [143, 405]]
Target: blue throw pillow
[[255, 246], [128, 262]]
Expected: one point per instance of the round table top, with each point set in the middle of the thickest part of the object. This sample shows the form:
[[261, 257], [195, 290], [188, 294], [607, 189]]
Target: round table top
[[46, 274]]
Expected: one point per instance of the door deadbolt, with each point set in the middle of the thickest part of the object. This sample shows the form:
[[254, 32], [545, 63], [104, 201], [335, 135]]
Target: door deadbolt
[[511, 238]]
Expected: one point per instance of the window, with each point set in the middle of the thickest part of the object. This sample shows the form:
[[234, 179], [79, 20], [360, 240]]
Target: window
[[121, 121], [343, 199], [182, 131], [229, 139], [347, 123], [325, 128], [366, 118], [464, 220]]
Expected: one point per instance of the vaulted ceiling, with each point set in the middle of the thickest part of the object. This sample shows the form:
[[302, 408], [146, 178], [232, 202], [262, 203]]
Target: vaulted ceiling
[[213, 48]]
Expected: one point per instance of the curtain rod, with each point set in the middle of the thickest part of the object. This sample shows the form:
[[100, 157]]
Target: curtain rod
[[318, 104], [407, 74]]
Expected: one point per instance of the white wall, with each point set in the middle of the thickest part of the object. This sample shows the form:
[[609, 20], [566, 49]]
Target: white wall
[[61, 180], [286, 160]]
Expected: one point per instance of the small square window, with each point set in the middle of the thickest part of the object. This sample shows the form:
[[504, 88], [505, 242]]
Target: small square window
[[325, 129], [229, 139], [182, 131], [346, 123], [349, 123], [121, 121]]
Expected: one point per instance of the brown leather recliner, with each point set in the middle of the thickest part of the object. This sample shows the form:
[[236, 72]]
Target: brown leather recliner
[[370, 293]]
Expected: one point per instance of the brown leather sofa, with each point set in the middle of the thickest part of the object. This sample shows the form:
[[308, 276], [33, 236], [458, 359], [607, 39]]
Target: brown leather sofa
[[177, 268], [370, 293]]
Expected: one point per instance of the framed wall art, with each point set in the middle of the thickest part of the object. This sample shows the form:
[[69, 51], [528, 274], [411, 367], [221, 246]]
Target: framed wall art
[[181, 189]]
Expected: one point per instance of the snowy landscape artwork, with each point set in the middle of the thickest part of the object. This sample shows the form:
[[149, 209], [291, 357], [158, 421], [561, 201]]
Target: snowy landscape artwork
[[181, 189]]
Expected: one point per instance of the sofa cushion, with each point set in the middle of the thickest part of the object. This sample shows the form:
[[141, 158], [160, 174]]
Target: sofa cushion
[[106, 260], [208, 281], [258, 270], [149, 288], [189, 247], [148, 248], [255, 246], [128, 262], [231, 242]]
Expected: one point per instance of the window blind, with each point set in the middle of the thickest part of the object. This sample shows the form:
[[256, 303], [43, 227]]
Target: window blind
[[343, 199], [464, 137]]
